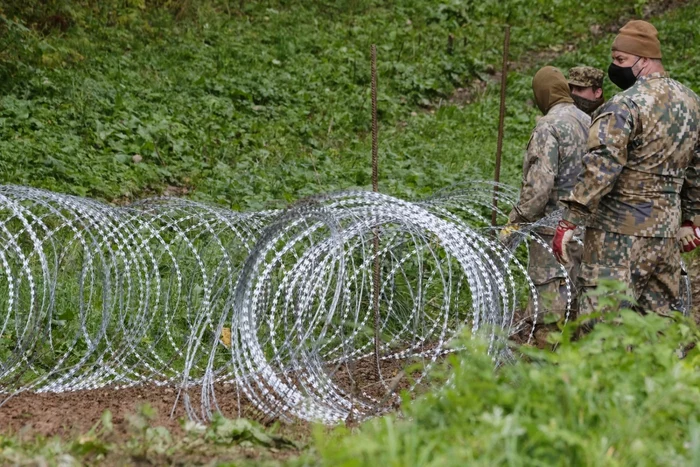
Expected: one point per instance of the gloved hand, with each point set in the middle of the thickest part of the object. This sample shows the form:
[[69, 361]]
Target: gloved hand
[[562, 236], [688, 236], [507, 231]]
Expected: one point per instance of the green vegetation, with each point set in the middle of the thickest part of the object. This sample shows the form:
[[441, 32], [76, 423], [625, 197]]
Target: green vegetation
[[255, 104], [619, 396], [626, 394], [231, 442]]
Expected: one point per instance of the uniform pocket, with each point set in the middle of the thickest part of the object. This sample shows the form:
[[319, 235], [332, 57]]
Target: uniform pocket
[[591, 274], [543, 275]]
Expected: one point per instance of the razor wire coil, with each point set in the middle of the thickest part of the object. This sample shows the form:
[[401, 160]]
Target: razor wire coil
[[276, 304]]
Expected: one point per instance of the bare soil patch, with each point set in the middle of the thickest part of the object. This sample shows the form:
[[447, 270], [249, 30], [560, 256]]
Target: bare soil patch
[[72, 413]]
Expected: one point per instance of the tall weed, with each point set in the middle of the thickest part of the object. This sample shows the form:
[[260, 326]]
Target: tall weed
[[619, 396]]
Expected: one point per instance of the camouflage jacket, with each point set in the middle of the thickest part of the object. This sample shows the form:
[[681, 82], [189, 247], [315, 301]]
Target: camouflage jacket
[[552, 162], [643, 152]]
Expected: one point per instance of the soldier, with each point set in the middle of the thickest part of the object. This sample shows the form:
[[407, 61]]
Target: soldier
[[550, 167], [586, 84], [640, 180]]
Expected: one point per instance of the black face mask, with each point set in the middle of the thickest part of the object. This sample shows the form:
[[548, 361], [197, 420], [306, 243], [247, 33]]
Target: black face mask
[[622, 76], [587, 105]]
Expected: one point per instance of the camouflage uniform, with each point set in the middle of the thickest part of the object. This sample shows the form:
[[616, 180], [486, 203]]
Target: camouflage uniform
[[550, 167], [641, 174]]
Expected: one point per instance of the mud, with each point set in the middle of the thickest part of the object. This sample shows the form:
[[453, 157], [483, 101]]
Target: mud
[[72, 413]]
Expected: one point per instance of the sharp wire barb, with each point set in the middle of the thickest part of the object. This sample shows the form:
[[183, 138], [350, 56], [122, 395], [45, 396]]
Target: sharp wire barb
[[272, 309]]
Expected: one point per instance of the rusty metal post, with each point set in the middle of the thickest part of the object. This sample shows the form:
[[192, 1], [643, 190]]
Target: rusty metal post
[[501, 119], [375, 188], [375, 124]]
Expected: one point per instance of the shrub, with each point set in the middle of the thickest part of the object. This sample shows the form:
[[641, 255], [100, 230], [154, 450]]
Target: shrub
[[619, 396]]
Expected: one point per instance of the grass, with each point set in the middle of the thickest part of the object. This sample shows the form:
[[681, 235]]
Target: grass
[[256, 104], [230, 442], [619, 396]]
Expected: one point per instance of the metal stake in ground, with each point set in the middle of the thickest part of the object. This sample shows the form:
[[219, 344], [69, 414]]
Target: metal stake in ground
[[501, 118], [375, 188]]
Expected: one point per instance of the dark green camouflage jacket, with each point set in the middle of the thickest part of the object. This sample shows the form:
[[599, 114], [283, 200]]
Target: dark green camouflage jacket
[[552, 162], [641, 174]]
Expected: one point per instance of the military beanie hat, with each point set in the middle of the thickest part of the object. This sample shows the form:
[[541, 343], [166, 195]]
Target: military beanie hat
[[586, 77], [638, 38]]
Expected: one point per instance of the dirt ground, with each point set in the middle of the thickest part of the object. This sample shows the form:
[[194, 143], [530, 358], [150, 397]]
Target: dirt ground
[[71, 413]]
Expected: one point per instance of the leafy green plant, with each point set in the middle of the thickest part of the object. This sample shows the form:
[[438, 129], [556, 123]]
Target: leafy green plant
[[245, 433], [92, 445], [256, 104], [223, 440], [619, 396]]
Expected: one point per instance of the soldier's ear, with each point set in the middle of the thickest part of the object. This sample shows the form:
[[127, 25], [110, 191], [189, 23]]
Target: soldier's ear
[[643, 62], [598, 93]]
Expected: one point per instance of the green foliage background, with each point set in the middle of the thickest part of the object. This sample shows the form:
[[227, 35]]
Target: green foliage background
[[256, 104], [619, 396]]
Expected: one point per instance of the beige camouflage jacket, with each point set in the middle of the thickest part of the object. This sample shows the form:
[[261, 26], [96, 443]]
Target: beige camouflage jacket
[[642, 170], [552, 162]]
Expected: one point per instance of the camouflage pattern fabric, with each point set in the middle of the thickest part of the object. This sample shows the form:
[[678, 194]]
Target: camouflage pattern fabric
[[694, 272], [690, 193], [549, 280], [552, 163], [643, 150], [550, 167], [649, 266], [586, 77]]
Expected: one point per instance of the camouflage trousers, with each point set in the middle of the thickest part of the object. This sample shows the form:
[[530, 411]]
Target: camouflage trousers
[[649, 266], [550, 282]]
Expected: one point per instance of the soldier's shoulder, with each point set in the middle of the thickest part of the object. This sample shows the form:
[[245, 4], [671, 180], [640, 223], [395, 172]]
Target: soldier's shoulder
[[625, 97], [545, 122], [649, 91], [663, 91], [568, 120], [556, 112], [578, 114], [542, 132], [567, 115], [689, 93], [623, 102]]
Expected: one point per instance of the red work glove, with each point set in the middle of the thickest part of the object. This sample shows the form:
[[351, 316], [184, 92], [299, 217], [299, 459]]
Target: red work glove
[[564, 233], [689, 236]]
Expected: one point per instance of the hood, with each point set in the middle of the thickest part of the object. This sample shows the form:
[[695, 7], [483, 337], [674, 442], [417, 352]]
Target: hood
[[550, 88]]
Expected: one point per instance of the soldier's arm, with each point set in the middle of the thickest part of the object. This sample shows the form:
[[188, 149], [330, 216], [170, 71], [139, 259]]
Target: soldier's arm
[[690, 194], [608, 137], [539, 172]]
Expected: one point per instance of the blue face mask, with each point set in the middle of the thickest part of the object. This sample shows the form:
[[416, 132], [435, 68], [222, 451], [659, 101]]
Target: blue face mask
[[622, 76]]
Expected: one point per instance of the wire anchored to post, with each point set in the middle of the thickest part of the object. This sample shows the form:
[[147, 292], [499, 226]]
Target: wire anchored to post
[[375, 188], [375, 124], [501, 120]]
